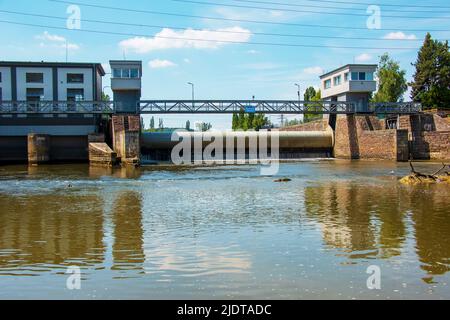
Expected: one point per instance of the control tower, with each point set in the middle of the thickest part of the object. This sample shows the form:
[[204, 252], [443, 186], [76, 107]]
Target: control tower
[[126, 84]]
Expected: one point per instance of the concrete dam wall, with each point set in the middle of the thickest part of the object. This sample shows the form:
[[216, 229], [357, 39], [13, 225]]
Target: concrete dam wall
[[308, 144]]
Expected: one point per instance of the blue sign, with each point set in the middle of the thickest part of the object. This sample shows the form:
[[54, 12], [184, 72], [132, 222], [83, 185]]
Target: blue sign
[[250, 109]]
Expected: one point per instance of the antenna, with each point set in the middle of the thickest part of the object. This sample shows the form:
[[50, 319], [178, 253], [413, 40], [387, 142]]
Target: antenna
[[124, 55], [67, 51]]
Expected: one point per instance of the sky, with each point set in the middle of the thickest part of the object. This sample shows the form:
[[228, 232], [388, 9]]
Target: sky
[[267, 45]]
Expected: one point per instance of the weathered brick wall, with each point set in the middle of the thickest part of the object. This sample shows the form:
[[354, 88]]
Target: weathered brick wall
[[360, 137], [429, 136], [432, 145], [318, 125]]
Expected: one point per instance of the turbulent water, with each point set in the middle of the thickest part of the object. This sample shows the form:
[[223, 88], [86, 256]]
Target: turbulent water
[[223, 232]]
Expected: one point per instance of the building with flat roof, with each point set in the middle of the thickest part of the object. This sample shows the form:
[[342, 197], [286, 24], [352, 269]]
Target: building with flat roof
[[126, 84], [50, 81], [351, 83]]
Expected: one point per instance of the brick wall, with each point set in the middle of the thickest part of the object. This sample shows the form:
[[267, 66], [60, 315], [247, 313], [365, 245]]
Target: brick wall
[[361, 137], [431, 145], [318, 125], [429, 136]]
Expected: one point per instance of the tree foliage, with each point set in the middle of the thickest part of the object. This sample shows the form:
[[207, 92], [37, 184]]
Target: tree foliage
[[431, 85], [391, 81], [314, 96], [251, 121]]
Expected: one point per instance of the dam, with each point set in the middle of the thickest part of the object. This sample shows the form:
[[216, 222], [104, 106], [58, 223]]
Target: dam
[[57, 112]]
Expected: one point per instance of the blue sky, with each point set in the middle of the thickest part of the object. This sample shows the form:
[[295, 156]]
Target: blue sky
[[220, 70]]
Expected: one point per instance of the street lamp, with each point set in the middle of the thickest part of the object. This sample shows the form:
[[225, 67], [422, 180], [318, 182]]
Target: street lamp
[[193, 91], [298, 92]]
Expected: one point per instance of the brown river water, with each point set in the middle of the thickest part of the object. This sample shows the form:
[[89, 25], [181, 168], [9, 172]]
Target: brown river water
[[223, 232]]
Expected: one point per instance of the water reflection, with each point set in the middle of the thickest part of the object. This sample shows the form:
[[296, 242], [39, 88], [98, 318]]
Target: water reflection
[[222, 230], [370, 221], [128, 252], [45, 232]]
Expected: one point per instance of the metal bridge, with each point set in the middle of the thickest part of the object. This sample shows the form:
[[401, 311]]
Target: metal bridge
[[272, 107], [207, 107]]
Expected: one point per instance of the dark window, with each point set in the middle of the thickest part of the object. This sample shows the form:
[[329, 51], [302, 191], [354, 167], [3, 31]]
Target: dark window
[[0, 77], [362, 76], [35, 94], [35, 77], [75, 78], [355, 76], [117, 73], [134, 73], [75, 94]]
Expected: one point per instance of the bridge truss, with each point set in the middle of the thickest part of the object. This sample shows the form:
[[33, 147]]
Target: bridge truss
[[271, 107], [207, 106]]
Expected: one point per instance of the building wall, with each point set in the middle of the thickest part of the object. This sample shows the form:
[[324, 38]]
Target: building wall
[[361, 137], [22, 84], [88, 84], [5, 84]]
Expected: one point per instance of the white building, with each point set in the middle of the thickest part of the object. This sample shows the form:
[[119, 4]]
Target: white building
[[50, 81], [351, 83]]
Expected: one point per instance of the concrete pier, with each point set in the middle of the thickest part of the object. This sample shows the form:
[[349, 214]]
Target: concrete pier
[[126, 138], [38, 149]]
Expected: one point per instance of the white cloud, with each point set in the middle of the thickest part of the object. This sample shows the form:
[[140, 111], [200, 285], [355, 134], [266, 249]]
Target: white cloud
[[252, 51], [186, 60], [189, 38], [55, 41], [400, 36], [313, 71], [50, 37], [364, 57], [158, 64]]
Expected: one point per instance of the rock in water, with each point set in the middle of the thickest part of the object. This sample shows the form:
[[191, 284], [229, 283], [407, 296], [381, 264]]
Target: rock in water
[[283, 180]]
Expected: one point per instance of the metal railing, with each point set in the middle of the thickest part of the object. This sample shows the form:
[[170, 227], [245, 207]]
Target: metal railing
[[395, 108], [66, 107], [251, 106], [208, 106]]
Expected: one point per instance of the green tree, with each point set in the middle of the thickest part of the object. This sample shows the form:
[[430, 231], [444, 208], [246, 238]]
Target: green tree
[[431, 85], [391, 81], [152, 123], [105, 97], [314, 96], [188, 125], [310, 93], [161, 124], [235, 122]]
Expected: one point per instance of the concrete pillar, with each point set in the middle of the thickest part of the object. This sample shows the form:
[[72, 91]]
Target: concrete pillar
[[38, 148], [126, 138]]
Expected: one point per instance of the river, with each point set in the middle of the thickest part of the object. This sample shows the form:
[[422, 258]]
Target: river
[[223, 232]]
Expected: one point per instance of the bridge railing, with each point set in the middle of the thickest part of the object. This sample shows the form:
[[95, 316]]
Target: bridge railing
[[45, 107], [253, 106], [395, 107]]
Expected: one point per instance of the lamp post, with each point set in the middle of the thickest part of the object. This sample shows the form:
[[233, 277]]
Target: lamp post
[[298, 93], [193, 92]]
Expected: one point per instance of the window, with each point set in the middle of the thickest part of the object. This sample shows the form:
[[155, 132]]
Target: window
[[134, 73], [1, 95], [75, 78], [346, 77], [327, 84], [0, 77], [337, 80], [126, 73], [35, 77], [362, 76], [35, 95], [75, 94], [117, 73]]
